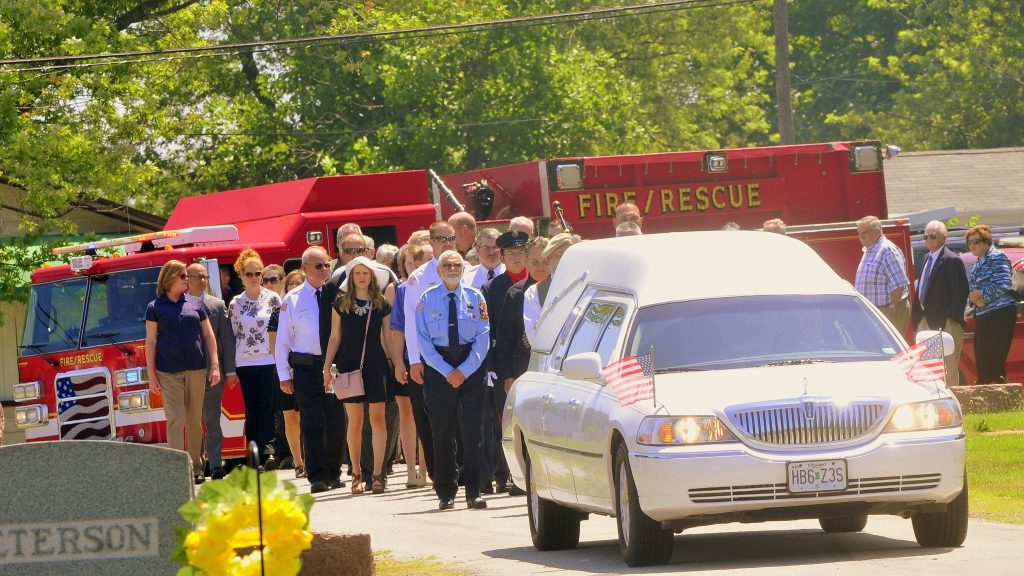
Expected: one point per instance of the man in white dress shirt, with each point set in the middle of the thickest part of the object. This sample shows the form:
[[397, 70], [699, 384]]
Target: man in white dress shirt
[[490, 265], [301, 340]]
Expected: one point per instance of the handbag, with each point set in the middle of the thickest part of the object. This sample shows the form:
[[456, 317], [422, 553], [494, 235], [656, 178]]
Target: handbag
[[350, 384]]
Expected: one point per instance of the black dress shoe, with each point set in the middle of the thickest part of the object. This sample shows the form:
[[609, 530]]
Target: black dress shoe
[[318, 486], [199, 478], [446, 504], [487, 488], [336, 483], [217, 473], [477, 503], [502, 486], [516, 491], [270, 464]]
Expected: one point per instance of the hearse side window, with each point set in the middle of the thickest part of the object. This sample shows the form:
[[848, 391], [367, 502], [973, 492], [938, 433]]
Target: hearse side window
[[591, 327], [611, 336]]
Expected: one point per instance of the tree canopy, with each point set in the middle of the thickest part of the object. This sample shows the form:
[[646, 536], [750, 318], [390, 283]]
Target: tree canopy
[[145, 130]]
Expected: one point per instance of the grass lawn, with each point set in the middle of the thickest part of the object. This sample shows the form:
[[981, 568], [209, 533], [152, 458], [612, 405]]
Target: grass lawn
[[389, 566], [995, 465]]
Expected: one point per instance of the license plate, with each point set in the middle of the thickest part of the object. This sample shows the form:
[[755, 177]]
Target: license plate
[[817, 476]]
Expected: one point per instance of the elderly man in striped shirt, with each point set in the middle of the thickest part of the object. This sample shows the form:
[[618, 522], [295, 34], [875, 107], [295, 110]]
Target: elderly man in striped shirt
[[882, 273]]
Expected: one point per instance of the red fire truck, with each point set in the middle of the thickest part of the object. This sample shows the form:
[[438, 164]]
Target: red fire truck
[[82, 360], [82, 363]]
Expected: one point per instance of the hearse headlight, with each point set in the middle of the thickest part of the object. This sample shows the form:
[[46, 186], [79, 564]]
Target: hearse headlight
[[133, 401], [683, 430], [29, 416], [26, 391], [931, 415], [131, 377]]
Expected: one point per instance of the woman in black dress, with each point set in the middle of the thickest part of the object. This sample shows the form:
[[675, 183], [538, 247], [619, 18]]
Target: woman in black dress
[[360, 299]]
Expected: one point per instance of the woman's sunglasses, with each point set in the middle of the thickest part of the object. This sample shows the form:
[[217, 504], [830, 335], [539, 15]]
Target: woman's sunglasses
[[271, 280], [253, 274]]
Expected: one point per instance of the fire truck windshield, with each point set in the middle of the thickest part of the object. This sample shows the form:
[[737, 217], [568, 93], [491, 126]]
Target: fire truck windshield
[[112, 307], [116, 308], [54, 317]]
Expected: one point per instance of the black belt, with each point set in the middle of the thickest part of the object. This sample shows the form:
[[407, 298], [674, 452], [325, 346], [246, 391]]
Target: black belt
[[304, 359]]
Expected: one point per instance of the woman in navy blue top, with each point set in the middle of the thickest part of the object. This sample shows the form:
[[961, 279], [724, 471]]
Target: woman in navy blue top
[[995, 309], [176, 327]]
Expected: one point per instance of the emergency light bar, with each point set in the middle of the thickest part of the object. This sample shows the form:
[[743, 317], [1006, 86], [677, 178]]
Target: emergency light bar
[[181, 237]]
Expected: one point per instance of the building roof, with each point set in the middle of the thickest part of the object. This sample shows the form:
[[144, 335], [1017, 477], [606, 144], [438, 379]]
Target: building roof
[[985, 183], [99, 216]]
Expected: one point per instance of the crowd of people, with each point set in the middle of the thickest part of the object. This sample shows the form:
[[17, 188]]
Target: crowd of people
[[438, 329]]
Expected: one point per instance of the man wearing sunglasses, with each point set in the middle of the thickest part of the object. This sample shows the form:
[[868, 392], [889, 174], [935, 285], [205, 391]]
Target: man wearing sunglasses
[[442, 239], [941, 295], [302, 334]]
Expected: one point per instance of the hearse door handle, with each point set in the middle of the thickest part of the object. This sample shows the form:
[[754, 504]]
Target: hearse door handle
[[548, 398], [574, 404]]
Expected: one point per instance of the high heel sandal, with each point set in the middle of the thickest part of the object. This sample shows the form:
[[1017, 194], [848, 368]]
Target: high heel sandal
[[379, 483], [357, 483]]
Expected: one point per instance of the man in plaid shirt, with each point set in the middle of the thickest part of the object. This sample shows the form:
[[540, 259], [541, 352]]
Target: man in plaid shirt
[[882, 273]]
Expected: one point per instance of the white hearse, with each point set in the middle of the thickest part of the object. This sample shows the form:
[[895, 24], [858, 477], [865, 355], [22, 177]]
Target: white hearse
[[775, 398]]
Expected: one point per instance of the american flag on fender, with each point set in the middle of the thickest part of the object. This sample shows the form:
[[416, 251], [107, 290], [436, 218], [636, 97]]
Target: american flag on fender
[[632, 378], [922, 362]]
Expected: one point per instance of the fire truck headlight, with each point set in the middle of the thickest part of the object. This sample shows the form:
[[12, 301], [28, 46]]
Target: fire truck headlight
[[29, 416], [133, 401], [28, 391], [131, 377]]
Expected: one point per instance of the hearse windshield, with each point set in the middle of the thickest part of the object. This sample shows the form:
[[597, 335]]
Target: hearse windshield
[[111, 307], [743, 332]]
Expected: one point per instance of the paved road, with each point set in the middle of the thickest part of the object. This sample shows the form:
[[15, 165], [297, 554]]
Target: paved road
[[496, 541]]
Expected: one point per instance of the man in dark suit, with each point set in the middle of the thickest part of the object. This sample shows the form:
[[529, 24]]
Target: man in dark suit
[[198, 281], [942, 295], [513, 255]]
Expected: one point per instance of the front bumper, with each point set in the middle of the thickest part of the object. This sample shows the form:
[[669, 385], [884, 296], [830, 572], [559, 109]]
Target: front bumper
[[894, 474]]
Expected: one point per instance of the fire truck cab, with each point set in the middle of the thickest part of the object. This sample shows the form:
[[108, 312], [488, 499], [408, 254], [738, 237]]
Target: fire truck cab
[[82, 368]]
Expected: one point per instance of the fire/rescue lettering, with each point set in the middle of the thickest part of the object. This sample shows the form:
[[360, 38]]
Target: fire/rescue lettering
[[721, 197], [78, 359]]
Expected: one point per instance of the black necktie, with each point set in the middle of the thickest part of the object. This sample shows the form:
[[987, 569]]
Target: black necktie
[[453, 325], [490, 274], [317, 292]]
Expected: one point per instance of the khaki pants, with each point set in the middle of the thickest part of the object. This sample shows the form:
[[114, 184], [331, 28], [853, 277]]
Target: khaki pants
[[183, 404], [899, 315], [952, 362]]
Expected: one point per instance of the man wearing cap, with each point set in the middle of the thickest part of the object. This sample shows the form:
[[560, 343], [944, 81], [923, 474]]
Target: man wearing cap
[[513, 256], [490, 259], [453, 333], [536, 295]]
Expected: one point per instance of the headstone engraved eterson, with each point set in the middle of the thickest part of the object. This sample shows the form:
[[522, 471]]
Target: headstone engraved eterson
[[83, 508]]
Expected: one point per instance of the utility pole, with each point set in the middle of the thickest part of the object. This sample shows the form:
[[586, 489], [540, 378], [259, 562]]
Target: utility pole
[[780, 22]]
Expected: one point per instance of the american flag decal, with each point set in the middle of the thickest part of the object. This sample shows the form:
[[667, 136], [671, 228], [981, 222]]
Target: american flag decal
[[632, 378], [80, 385], [83, 409], [922, 362], [96, 430]]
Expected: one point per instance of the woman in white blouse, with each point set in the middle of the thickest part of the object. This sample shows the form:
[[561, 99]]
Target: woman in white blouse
[[250, 314]]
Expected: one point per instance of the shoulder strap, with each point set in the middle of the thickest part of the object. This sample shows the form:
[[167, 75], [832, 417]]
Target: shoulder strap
[[369, 315]]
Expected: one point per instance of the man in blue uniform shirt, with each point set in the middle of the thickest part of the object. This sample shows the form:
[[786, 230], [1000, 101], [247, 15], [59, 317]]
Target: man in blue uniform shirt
[[453, 331]]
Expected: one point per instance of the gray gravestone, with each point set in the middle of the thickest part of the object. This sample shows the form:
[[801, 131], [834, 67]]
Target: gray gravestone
[[90, 508]]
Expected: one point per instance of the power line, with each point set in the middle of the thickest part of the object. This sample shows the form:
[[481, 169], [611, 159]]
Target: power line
[[52, 63]]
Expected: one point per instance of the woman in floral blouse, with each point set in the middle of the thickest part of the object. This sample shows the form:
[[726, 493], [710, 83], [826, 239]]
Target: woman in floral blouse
[[250, 314], [995, 309]]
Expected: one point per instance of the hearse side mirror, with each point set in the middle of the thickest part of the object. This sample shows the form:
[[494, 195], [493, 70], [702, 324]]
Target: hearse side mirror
[[947, 340], [582, 366]]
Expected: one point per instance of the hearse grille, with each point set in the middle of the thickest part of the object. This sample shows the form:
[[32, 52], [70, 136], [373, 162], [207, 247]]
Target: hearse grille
[[768, 492], [808, 423]]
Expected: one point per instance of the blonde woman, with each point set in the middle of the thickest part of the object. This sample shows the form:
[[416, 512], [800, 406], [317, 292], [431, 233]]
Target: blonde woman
[[250, 313], [176, 329], [360, 318]]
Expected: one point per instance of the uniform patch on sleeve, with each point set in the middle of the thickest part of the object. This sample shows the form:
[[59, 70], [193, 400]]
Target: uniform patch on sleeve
[[484, 315]]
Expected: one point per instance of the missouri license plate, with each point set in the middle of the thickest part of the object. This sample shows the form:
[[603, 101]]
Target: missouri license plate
[[817, 476]]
